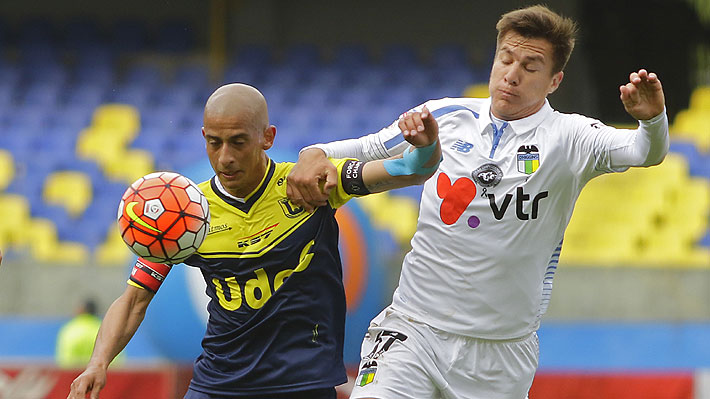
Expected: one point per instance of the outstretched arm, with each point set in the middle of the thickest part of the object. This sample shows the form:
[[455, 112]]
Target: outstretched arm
[[120, 323], [314, 176], [416, 164]]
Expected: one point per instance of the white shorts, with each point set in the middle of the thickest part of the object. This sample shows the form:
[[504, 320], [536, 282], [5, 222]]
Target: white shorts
[[406, 359]]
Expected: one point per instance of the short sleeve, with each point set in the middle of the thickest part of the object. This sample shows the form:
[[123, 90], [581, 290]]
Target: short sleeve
[[338, 196]]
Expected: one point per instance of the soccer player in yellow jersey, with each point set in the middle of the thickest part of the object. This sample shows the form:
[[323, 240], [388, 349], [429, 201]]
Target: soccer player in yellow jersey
[[273, 271]]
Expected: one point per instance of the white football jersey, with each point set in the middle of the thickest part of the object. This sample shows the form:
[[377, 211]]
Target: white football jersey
[[493, 215]]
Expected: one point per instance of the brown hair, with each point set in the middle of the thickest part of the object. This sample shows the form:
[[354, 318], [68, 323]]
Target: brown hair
[[540, 22]]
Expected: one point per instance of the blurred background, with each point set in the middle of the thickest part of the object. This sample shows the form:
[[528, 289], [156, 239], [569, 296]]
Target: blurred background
[[95, 94]]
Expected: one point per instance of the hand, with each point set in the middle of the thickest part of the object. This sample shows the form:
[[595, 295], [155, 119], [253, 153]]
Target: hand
[[0, 257], [309, 183], [420, 129], [92, 380], [643, 95]]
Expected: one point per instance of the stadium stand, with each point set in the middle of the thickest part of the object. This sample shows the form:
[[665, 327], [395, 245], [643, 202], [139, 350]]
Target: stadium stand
[[83, 117]]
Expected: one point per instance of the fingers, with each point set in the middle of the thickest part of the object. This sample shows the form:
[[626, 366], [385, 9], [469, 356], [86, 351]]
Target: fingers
[[418, 128], [95, 391], [310, 182], [78, 390], [428, 120]]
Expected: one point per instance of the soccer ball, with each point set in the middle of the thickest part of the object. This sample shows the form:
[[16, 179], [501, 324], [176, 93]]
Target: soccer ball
[[163, 217]]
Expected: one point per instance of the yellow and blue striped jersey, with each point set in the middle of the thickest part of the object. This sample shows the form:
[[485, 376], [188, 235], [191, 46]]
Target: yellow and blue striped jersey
[[277, 302]]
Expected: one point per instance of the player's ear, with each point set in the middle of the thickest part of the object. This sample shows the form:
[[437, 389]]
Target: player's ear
[[556, 80], [269, 135]]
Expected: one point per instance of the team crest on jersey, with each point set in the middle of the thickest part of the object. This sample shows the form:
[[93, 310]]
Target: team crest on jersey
[[288, 209], [367, 374], [488, 175], [528, 159]]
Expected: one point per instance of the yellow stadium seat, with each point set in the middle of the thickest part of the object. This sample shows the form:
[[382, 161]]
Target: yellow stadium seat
[[65, 253], [131, 165], [693, 124], [7, 169], [14, 214], [479, 90], [113, 251], [392, 213], [700, 98], [40, 235], [72, 190], [102, 145], [123, 119]]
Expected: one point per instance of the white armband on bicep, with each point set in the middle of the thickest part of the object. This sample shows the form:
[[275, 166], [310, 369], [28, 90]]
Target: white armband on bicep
[[648, 145]]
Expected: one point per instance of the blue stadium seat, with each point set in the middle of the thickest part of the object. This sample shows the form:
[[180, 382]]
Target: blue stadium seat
[[98, 72], [192, 75], [7, 94], [399, 56], [253, 57], [705, 241], [176, 96], [449, 56], [132, 94], [143, 74], [370, 77], [302, 56], [41, 95], [352, 57], [84, 95], [72, 117]]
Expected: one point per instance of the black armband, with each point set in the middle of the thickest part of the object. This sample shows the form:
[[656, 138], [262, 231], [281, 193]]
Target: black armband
[[351, 176]]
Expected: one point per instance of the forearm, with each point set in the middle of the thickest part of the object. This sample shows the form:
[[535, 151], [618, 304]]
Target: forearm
[[119, 325], [648, 146], [378, 176]]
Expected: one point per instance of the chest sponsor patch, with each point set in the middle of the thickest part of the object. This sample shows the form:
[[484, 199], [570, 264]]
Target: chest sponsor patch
[[528, 159]]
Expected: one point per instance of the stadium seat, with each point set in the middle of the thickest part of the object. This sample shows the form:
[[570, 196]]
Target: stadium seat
[[7, 169], [101, 145], [70, 189], [40, 235], [113, 251], [449, 56], [693, 124], [123, 119], [302, 56], [351, 57], [700, 99], [15, 214], [130, 165], [253, 57]]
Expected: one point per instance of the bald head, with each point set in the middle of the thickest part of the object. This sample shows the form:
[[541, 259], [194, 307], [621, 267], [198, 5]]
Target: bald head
[[234, 102]]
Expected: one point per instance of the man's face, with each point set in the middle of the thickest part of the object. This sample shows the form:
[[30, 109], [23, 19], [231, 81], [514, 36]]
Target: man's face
[[521, 76], [235, 149]]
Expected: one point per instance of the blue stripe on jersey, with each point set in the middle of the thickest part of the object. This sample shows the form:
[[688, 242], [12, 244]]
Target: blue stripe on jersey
[[547, 280], [451, 108], [398, 139], [394, 141], [498, 133]]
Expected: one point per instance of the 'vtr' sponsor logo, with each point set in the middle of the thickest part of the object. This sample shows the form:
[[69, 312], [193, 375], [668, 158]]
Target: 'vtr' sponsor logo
[[520, 198]]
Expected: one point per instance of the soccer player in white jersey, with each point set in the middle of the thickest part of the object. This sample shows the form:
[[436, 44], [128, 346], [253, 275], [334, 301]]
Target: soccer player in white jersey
[[463, 320]]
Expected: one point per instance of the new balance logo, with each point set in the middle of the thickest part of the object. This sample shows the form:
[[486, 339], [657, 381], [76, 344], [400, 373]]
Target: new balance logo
[[462, 146]]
